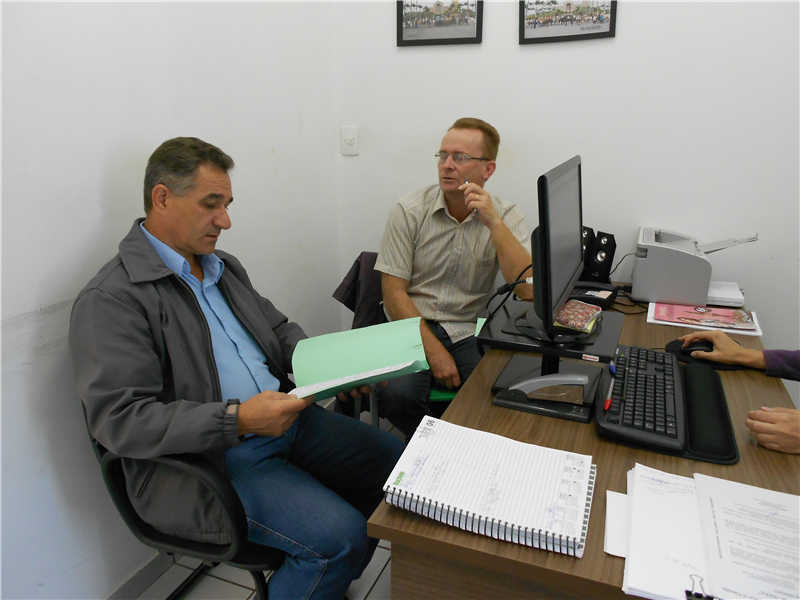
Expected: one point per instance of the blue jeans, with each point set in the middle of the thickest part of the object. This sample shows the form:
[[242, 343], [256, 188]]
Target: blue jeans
[[404, 400], [310, 492]]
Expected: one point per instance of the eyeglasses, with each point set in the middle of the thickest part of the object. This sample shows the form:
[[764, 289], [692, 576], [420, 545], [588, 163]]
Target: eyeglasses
[[459, 157]]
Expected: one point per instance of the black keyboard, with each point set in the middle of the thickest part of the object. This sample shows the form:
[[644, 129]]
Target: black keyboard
[[644, 402]]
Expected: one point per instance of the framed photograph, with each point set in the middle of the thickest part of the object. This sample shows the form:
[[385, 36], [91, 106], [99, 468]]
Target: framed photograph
[[543, 21], [441, 22]]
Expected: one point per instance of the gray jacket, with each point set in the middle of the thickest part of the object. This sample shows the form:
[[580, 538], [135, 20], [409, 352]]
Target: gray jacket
[[145, 370]]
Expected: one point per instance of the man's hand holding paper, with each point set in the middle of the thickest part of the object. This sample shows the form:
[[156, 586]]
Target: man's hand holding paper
[[355, 393], [270, 413]]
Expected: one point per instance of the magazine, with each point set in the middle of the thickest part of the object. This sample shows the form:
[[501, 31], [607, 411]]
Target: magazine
[[732, 320]]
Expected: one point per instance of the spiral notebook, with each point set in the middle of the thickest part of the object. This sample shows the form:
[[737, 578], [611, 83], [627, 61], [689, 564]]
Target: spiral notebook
[[491, 485]]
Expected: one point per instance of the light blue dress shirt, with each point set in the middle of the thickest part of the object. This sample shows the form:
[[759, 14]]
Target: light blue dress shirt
[[241, 364]]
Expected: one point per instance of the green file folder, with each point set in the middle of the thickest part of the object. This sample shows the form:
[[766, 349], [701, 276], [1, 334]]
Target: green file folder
[[479, 326], [394, 348]]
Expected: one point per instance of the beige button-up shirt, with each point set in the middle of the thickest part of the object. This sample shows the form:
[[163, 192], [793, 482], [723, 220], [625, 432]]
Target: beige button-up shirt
[[450, 266]]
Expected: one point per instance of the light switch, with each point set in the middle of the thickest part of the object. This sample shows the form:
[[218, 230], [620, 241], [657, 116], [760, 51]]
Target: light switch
[[349, 140]]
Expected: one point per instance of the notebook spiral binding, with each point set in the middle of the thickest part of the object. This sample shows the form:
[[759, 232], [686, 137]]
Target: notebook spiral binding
[[499, 530]]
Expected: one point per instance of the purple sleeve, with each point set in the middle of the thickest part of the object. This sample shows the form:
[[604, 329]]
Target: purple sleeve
[[783, 363]]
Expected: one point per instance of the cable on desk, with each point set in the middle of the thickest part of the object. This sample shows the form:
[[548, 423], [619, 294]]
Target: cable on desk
[[506, 289], [624, 292], [620, 262]]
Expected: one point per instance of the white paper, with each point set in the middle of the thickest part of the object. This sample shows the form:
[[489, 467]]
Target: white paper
[[631, 482], [616, 538], [315, 388], [725, 293], [665, 553], [751, 539]]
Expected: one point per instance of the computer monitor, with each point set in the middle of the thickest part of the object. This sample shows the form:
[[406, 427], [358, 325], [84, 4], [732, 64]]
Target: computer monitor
[[557, 250], [551, 385]]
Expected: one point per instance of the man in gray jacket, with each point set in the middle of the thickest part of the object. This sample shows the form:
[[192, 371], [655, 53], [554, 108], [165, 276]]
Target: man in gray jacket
[[174, 351]]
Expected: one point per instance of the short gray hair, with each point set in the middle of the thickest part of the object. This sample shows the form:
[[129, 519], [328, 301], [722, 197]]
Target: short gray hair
[[175, 163]]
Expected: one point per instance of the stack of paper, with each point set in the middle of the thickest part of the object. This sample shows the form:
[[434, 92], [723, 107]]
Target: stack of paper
[[665, 543], [707, 536]]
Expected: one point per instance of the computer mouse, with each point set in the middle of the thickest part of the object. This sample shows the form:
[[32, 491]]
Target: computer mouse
[[702, 345]]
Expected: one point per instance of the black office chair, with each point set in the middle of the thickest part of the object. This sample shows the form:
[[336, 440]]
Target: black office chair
[[239, 553]]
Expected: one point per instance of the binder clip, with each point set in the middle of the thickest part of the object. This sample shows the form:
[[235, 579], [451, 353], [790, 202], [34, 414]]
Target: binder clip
[[694, 594]]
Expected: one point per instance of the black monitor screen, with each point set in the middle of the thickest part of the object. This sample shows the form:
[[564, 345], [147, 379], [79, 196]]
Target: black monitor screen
[[556, 243]]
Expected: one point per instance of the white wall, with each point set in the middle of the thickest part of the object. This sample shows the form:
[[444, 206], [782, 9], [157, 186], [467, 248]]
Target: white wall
[[687, 120], [89, 91]]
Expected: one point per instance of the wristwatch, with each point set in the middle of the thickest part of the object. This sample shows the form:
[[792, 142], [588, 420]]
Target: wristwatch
[[230, 424], [233, 407]]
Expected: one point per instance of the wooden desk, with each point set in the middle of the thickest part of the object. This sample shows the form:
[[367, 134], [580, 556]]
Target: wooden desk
[[433, 560]]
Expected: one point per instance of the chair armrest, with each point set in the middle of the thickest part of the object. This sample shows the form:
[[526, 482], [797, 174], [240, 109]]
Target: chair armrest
[[217, 482], [213, 479]]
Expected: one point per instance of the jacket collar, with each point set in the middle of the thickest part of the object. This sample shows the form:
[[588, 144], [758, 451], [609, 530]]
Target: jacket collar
[[139, 258]]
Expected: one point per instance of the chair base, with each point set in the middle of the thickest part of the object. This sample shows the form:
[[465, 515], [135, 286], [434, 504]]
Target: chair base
[[178, 593], [262, 590], [259, 579]]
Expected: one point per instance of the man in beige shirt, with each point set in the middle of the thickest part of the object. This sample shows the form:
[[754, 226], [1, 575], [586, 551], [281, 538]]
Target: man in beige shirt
[[441, 252]]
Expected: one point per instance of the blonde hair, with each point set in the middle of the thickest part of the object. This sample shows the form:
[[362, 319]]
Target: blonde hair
[[491, 139]]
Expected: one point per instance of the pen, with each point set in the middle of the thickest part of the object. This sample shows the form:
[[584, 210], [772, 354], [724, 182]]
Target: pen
[[474, 210], [613, 370]]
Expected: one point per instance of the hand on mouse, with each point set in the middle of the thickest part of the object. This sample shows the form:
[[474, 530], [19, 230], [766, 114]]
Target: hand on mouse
[[725, 351]]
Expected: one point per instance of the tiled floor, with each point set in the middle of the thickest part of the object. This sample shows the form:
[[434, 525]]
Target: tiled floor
[[227, 583]]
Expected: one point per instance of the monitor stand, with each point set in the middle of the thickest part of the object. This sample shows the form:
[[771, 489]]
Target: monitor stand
[[520, 386], [548, 386]]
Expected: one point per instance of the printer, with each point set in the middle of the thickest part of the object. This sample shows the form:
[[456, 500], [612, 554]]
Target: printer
[[674, 268]]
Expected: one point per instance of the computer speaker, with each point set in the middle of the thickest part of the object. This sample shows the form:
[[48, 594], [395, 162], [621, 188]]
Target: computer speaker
[[587, 242], [598, 256]]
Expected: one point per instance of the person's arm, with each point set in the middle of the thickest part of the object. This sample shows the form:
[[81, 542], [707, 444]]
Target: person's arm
[[726, 351], [783, 363], [511, 254], [513, 259], [118, 374], [397, 254], [400, 306], [776, 428]]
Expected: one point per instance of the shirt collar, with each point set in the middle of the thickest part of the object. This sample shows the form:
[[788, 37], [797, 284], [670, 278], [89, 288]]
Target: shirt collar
[[440, 204], [211, 263]]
